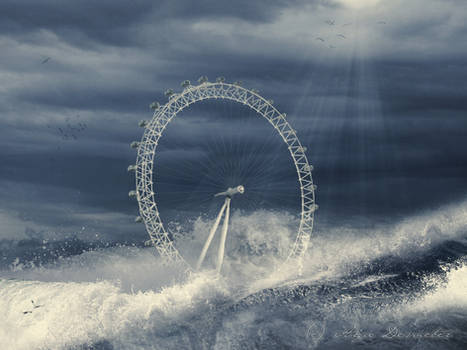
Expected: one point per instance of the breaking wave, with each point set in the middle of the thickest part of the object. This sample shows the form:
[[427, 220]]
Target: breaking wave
[[392, 286]]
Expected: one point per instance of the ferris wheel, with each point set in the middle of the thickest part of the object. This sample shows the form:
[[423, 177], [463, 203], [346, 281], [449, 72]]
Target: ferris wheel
[[146, 191]]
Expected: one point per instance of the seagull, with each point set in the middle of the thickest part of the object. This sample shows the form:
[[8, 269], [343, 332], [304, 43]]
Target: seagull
[[321, 39], [35, 306], [346, 24], [330, 22], [342, 36], [46, 60]]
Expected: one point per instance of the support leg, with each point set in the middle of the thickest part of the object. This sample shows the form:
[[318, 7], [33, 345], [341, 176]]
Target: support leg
[[225, 226], [210, 237]]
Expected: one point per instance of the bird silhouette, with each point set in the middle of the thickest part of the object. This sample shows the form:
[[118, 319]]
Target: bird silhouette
[[320, 39], [34, 305], [330, 22], [45, 60], [342, 36]]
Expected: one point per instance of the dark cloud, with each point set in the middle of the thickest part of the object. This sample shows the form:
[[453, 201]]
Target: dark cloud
[[120, 23], [78, 22], [383, 114]]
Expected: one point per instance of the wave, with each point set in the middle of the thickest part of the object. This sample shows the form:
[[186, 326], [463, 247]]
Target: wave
[[385, 286]]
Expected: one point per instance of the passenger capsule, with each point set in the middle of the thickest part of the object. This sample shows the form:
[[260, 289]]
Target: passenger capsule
[[168, 92], [143, 123], [154, 105], [132, 194], [134, 144], [185, 84], [203, 79], [132, 167], [308, 167], [138, 219], [220, 80]]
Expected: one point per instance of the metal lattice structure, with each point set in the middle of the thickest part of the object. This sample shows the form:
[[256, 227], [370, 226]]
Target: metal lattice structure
[[146, 193]]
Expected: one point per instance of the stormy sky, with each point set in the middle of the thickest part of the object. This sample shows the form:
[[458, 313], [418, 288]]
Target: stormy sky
[[377, 91]]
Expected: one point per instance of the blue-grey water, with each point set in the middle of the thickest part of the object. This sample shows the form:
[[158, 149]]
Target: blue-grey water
[[400, 285]]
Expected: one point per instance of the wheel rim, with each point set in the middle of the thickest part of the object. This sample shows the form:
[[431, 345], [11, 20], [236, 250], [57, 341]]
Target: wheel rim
[[146, 194]]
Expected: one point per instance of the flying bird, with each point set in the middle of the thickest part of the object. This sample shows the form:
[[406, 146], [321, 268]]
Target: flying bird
[[346, 24], [330, 22], [34, 305], [342, 36], [321, 39], [45, 60], [381, 22]]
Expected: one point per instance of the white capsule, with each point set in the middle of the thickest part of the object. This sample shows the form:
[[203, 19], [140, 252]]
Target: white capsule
[[308, 167], [155, 105], [203, 79]]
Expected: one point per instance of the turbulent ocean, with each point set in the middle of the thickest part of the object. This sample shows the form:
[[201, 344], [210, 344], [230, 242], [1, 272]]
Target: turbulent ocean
[[393, 285]]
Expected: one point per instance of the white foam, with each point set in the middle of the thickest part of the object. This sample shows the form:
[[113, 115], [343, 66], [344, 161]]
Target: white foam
[[77, 313], [119, 293], [338, 250], [447, 295], [133, 268]]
